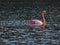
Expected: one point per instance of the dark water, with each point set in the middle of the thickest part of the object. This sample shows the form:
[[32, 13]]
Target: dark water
[[16, 35]]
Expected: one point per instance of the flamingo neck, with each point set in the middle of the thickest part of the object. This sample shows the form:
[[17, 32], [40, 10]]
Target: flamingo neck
[[43, 18], [44, 21]]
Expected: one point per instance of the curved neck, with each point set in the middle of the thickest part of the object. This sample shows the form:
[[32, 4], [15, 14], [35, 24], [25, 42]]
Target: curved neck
[[44, 21], [43, 18]]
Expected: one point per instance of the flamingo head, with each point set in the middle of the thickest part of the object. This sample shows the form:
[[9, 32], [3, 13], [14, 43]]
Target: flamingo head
[[43, 11]]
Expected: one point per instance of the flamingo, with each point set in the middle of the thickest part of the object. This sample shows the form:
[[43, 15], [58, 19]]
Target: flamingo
[[39, 23]]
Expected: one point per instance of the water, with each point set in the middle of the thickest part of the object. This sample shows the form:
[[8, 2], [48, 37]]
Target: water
[[25, 36]]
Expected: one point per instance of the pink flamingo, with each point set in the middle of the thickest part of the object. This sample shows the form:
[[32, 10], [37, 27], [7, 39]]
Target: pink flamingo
[[39, 23]]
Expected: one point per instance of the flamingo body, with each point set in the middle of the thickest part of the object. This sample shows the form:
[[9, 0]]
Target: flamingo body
[[36, 22]]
